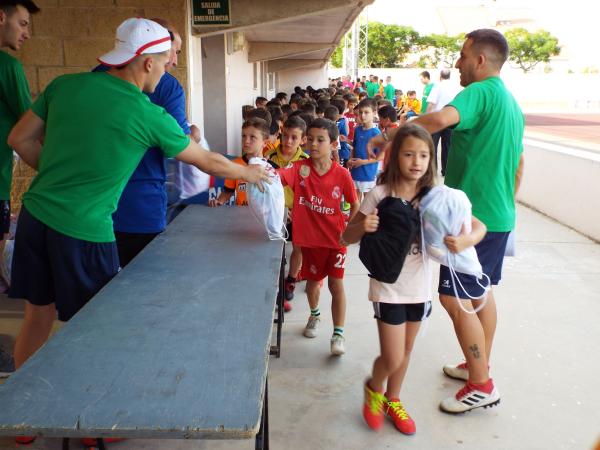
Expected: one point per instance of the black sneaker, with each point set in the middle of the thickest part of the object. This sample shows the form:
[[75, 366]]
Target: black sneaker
[[7, 364]]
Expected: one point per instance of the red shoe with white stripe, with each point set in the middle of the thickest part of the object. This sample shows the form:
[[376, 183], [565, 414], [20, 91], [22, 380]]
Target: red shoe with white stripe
[[472, 396]]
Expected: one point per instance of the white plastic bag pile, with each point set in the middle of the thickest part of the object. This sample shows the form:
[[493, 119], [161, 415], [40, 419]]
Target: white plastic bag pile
[[444, 211], [268, 206]]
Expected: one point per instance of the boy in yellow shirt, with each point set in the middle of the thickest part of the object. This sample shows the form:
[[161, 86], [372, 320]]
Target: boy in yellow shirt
[[293, 137], [412, 105]]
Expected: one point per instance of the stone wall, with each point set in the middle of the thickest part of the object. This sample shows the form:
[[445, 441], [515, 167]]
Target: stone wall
[[68, 36]]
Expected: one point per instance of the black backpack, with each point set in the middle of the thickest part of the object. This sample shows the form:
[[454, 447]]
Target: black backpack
[[383, 252]]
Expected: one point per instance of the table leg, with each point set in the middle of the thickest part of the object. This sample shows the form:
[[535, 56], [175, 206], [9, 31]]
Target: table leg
[[262, 438], [276, 349], [65, 444]]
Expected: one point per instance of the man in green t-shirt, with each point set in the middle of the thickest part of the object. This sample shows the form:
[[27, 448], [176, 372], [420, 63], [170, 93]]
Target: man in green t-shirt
[[486, 162], [373, 87], [15, 99], [96, 128], [389, 91], [425, 78]]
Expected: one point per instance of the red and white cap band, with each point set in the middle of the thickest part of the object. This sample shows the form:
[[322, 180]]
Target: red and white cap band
[[135, 37]]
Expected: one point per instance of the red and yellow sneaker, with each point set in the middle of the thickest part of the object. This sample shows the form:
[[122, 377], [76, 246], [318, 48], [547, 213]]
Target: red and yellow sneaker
[[395, 410], [373, 408]]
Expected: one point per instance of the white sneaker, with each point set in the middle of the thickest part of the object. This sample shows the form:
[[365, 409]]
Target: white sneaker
[[311, 327], [337, 345], [458, 371], [468, 398]]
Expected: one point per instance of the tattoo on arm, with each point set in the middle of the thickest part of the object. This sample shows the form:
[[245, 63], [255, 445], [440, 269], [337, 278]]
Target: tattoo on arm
[[475, 350]]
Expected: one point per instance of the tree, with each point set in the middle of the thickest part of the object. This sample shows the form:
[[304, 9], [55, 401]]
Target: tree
[[338, 55], [440, 50], [389, 45], [529, 49]]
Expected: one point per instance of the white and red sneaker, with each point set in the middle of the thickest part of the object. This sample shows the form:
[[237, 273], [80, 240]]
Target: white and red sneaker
[[458, 371], [472, 396]]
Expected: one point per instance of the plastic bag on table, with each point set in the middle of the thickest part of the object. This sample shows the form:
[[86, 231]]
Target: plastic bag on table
[[268, 206]]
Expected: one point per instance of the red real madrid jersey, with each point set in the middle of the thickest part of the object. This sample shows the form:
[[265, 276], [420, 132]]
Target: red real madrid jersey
[[317, 216]]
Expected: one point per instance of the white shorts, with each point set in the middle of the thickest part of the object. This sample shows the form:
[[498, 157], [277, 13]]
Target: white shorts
[[364, 186]]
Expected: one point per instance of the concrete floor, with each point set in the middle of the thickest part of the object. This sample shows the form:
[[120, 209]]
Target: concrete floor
[[545, 363]]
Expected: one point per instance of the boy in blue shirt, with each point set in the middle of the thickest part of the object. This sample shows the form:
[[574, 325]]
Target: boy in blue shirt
[[363, 168]]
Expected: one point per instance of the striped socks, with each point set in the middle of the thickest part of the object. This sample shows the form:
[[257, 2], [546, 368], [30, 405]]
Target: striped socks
[[339, 331], [315, 312]]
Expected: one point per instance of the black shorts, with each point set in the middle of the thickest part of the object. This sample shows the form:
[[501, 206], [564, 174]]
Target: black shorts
[[398, 313], [130, 244], [490, 252], [4, 217], [50, 267]]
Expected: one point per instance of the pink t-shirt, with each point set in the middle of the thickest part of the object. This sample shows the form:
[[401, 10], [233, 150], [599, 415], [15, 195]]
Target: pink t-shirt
[[412, 286]]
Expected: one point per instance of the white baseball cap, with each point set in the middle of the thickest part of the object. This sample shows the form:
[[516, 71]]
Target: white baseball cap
[[137, 36]]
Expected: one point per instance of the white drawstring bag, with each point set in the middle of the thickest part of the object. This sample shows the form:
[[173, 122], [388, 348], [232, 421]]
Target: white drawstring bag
[[444, 211], [268, 206]]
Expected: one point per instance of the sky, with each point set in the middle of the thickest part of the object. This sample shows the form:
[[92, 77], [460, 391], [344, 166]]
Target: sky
[[573, 22]]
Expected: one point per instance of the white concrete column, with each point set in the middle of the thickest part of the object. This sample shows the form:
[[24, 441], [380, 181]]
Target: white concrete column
[[214, 87]]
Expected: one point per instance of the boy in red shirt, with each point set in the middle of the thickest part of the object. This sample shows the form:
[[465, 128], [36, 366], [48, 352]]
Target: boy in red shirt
[[319, 185]]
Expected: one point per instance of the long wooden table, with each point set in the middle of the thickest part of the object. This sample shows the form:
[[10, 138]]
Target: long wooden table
[[176, 346]]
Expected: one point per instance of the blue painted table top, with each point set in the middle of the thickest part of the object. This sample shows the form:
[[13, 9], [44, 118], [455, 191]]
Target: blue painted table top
[[175, 346]]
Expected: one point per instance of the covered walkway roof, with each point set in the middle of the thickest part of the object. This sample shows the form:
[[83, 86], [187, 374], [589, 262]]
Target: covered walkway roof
[[290, 35]]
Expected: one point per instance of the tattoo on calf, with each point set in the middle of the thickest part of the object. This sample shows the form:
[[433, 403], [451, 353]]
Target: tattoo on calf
[[475, 350]]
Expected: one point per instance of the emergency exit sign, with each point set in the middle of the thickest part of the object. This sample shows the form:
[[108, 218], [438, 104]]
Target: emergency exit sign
[[211, 13]]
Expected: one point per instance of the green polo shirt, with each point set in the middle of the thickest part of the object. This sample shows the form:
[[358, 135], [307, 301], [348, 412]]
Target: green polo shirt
[[486, 147], [372, 90], [426, 91], [15, 99], [389, 92], [98, 127]]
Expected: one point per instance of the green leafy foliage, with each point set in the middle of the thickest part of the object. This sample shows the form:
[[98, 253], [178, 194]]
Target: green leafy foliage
[[440, 50], [337, 57], [529, 49], [389, 45]]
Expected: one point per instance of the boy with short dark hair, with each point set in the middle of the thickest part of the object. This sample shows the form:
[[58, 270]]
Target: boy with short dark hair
[[295, 101], [261, 102], [309, 108], [282, 97], [388, 118], [319, 184], [255, 132]]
